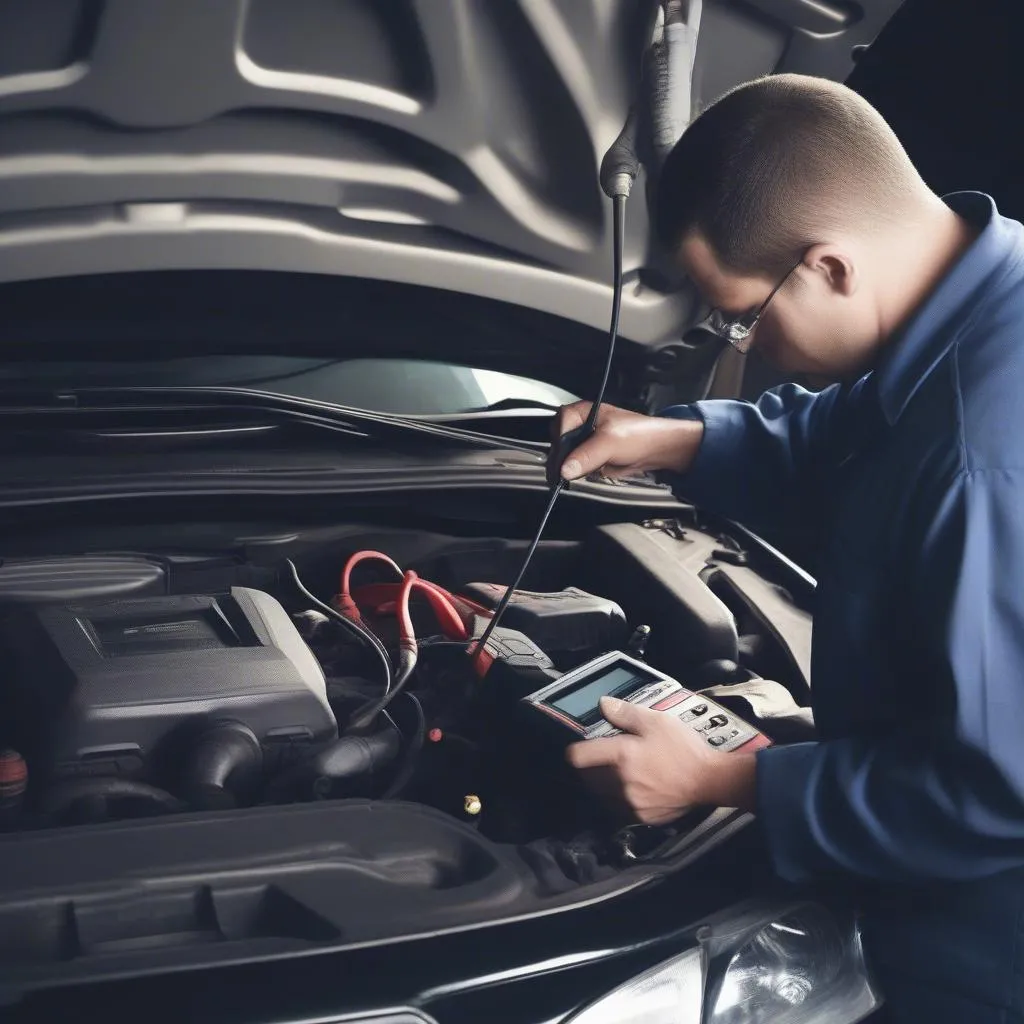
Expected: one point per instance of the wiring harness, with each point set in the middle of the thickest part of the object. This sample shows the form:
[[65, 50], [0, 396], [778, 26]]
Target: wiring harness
[[455, 617]]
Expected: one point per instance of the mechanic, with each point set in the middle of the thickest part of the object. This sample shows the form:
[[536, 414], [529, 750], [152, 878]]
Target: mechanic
[[796, 212]]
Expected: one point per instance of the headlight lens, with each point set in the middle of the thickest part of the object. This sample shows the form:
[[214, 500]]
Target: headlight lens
[[671, 993], [802, 967], [792, 965]]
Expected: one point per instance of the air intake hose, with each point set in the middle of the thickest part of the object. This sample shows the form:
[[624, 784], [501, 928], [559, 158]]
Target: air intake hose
[[353, 757], [223, 767], [88, 801], [348, 763]]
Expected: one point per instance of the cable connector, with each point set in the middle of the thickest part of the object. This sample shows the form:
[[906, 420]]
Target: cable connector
[[342, 602], [620, 184], [637, 645], [344, 605]]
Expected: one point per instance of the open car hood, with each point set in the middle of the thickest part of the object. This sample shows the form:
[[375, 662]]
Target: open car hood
[[446, 144]]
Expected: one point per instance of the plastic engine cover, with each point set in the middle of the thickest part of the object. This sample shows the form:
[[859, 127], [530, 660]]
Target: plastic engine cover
[[657, 578], [96, 688], [565, 622]]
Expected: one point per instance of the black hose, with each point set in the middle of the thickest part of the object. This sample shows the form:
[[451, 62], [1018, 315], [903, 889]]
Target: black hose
[[224, 766], [94, 796], [354, 757], [345, 761], [360, 632], [412, 752]]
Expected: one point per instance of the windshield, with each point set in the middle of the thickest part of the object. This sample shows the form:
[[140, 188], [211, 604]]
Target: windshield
[[401, 386]]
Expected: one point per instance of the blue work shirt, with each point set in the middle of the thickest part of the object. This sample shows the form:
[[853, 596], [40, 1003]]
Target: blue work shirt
[[910, 484]]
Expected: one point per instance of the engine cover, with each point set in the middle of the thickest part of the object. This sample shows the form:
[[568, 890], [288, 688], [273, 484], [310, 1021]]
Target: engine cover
[[98, 687]]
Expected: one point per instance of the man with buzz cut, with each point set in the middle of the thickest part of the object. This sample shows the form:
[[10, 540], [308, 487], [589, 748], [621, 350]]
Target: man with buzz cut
[[797, 214]]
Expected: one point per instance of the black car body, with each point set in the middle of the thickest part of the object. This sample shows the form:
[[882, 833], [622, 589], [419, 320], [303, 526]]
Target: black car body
[[210, 214]]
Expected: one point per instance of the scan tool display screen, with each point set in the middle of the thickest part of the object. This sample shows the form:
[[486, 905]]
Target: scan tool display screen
[[581, 702], [569, 708]]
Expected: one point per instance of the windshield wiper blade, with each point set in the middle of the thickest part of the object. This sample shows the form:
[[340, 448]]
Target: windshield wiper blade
[[340, 418], [513, 405]]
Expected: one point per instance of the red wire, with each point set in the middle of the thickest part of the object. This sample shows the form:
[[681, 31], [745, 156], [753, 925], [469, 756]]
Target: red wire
[[406, 634], [363, 556], [381, 596], [448, 618], [441, 602], [343, 601]]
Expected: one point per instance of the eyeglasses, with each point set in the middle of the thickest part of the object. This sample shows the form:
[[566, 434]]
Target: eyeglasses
[[739, 332]]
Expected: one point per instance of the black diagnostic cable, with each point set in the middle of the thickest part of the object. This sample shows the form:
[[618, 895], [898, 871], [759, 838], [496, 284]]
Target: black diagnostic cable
[[360, 632], [618, 172], [412, 753], [408, 655], [617, 184]]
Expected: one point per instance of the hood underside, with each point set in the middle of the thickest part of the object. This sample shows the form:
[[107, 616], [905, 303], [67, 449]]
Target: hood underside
[[448, 144]]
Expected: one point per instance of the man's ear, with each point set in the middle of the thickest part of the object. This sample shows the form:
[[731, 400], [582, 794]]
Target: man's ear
[[834, 267]]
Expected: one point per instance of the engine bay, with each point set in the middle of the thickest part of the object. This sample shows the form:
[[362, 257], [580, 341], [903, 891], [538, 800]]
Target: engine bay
[[140, 685]]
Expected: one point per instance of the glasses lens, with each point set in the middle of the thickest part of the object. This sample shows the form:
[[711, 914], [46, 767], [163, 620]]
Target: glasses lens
[[735, 332], [742, 343]]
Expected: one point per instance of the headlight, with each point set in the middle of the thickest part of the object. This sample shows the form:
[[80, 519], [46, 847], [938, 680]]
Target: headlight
[[671, 993], [804, 966], [797, 965]]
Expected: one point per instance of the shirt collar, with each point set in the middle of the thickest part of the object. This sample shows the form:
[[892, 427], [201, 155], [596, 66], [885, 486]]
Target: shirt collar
[[935, 326]]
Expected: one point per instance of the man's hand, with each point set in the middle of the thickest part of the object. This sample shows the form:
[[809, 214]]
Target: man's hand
[[661, 768], [626, 443]]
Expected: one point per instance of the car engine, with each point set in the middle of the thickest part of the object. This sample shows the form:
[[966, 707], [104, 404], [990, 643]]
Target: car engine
[[120, 699], [97, 689]]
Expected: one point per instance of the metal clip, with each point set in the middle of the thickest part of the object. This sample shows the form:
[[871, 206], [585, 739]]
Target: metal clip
[[673, 527]]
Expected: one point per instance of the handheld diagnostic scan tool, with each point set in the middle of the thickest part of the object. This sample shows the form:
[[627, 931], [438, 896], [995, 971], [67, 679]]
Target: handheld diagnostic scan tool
[[571, 707]]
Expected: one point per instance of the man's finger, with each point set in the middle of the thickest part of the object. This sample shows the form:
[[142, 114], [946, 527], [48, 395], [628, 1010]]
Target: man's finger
[[597, 451], [597, 753], [568, 429], [609, 472], [628, 717], [569, 417]]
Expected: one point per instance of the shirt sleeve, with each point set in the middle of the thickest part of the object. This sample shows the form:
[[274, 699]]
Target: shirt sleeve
[[942, 799], [755, 460]]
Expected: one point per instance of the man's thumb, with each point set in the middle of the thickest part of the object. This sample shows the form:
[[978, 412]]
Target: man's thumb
[[625, 716], [589, 457]]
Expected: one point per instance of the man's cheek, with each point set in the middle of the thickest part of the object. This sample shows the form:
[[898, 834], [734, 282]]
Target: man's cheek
[[767, 346], [775, 347]]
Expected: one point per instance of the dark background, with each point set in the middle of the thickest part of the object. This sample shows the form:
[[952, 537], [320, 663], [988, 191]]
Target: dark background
[[948, 75]]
